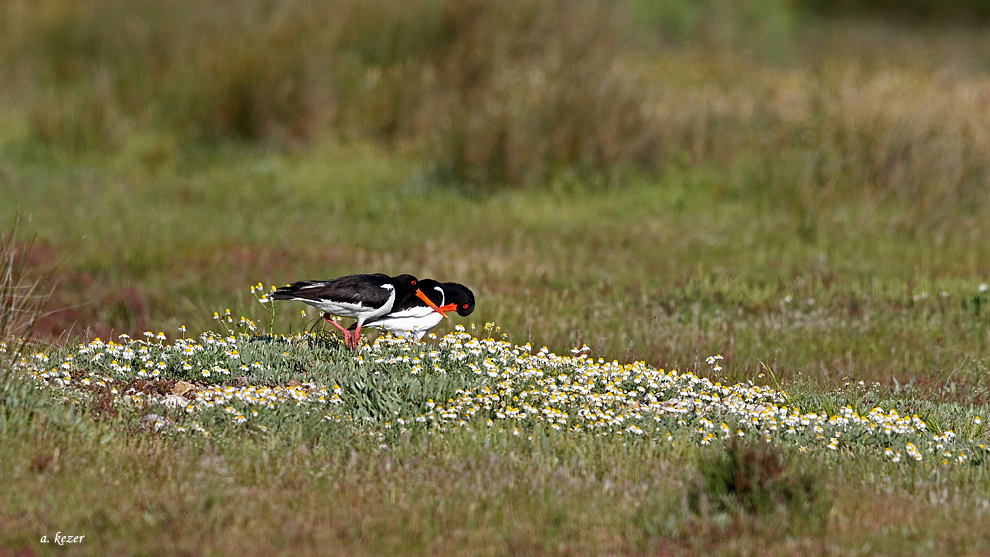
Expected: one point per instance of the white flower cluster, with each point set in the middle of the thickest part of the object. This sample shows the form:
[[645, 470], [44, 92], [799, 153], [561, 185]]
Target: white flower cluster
[[501, 387]]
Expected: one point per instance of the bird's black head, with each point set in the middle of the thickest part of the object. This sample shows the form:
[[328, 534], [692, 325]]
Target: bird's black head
[[405, 283], [461, 296], [405, 287]]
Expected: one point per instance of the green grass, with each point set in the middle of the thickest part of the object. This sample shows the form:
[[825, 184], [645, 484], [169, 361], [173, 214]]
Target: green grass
[[811, 206], [289, 480], [662, 272]]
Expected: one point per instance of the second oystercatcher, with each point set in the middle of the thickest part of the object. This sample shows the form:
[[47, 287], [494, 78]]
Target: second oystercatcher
[[361, 297], [413, 318]]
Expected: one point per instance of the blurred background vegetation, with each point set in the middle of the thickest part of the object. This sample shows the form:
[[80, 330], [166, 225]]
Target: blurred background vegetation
[[783, 180], [509, 94]]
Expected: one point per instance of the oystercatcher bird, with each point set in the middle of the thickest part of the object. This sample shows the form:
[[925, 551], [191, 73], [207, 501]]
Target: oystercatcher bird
[[361, 297], [414, 318]]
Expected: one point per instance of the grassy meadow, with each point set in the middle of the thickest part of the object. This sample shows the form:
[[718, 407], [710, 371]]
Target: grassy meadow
[[630, 190]]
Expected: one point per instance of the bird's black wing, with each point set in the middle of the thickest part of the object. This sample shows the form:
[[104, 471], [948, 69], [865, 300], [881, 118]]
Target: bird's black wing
[[352, 289]]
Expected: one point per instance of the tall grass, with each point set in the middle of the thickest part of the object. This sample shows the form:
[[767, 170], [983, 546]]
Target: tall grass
[[22, 296], [814, 139], [504, 92], [524, 93]]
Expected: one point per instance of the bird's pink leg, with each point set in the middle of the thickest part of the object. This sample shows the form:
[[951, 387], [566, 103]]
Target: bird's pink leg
[[357, 337], [347, 334]]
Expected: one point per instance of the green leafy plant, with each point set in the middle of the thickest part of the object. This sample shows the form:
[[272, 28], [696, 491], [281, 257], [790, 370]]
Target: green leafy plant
[[755, 478]]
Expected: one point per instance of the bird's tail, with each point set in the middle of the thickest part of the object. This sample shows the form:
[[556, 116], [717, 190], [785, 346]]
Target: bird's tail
[[291, 291]]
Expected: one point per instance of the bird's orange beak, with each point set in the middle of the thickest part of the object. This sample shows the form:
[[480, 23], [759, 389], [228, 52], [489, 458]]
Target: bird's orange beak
[[429, 302]]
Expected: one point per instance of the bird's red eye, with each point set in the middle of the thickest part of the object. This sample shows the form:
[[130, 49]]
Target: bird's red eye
[[464, 306], [414, 282]]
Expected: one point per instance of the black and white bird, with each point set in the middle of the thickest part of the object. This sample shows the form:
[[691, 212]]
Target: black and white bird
[[414, 318], [362, 297]]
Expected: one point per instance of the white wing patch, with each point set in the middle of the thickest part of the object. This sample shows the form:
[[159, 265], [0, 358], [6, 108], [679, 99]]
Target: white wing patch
[[314, 285]]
